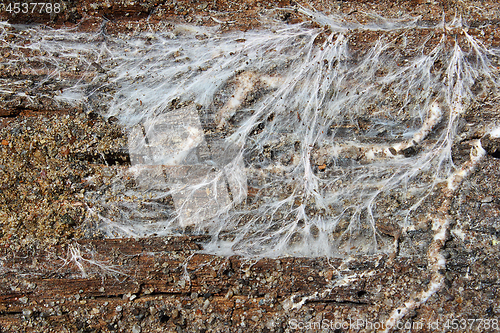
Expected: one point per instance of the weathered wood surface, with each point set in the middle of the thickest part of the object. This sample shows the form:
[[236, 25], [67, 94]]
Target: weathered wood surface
[[163, 284], [153, 276], [167, 285]]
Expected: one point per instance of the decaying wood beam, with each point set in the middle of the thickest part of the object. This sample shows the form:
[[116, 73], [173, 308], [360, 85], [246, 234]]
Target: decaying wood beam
[[172, 284]]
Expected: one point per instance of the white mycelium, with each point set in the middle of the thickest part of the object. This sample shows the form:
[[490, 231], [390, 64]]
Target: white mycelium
[[275, 141]]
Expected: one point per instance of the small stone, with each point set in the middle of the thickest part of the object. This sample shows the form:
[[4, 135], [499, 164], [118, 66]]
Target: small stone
[[329, 275], [410, 151], [136, 329], [67, 219], [487, 199]]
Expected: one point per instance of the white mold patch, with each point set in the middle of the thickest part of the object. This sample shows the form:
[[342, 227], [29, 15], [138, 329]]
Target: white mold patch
[[289, 143]]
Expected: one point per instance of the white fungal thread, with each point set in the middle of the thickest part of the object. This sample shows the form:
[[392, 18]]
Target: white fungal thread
[[441, 223], [90, 265]]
